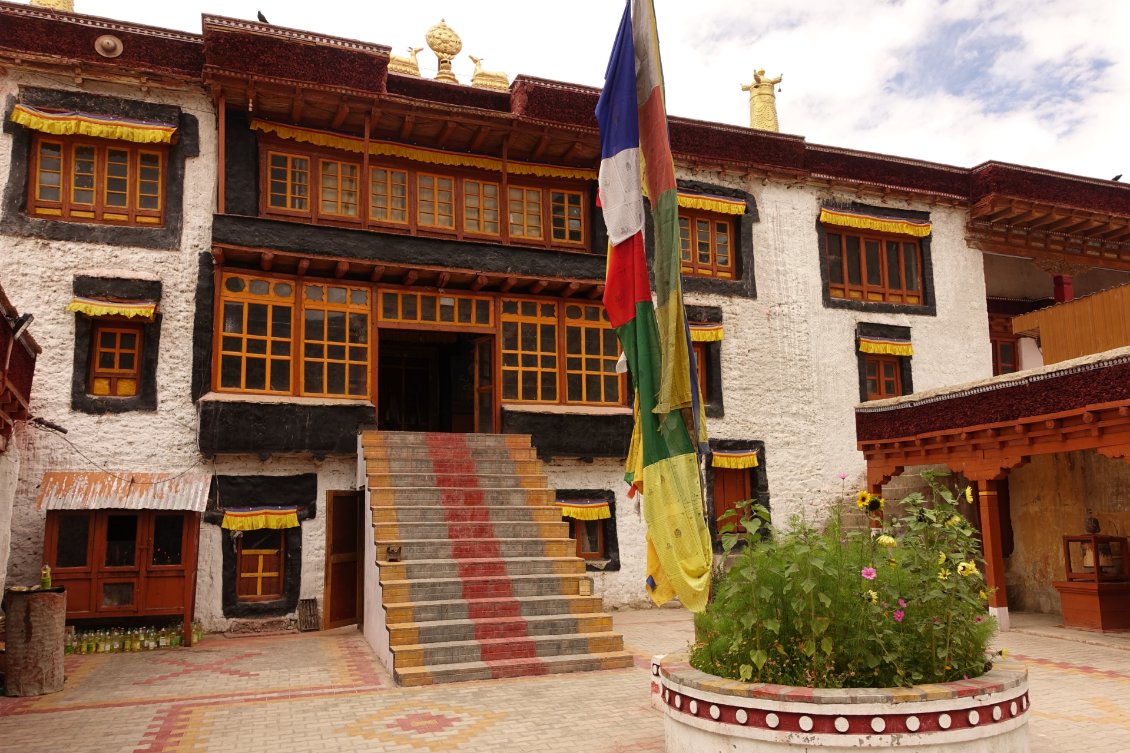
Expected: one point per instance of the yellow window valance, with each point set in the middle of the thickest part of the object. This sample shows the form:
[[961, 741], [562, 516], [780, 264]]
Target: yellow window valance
[[585, 509], [87, 124], [254, 518], [417, 154], [706, 333], [734, 458], [885, 346], [104, 307], [861, 221], [719, 204]]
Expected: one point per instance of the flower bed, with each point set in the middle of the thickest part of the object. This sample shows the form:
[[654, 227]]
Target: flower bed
[[707, 714]]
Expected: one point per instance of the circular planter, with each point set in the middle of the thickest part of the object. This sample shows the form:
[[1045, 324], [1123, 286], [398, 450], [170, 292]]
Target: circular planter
[[707, 714]]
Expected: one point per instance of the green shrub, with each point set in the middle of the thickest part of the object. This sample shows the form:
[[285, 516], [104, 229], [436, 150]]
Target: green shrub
[[834, 608]]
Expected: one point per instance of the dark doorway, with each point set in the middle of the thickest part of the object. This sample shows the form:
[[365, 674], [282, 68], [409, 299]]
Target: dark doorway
[[426, 381]]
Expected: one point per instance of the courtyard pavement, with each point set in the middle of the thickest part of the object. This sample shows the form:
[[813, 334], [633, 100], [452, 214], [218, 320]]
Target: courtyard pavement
[[326, 693]]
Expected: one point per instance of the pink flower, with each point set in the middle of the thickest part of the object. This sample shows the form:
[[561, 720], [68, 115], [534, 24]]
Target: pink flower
[[978, 620], [902, 603], [841, 476], [898, 615], [868, 573]]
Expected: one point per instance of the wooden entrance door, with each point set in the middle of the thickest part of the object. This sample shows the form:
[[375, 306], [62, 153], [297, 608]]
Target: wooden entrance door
[[485, 404], [344, 578], [730, 485]]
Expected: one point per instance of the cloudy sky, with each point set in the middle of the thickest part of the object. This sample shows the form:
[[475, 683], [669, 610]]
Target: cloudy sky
[[1036, 82]]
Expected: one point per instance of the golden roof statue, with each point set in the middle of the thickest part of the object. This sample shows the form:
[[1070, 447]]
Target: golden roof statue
[[63, 5], [763, 101], [496, 80], [446, 44], [409, 66]]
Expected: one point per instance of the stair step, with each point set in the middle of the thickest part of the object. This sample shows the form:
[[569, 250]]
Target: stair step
[[497, 649], [449, 568], [470, 480], [466, 514], [432, 439], [417, 676], [446, 631], [463, 549], [391, 495], [487, 587], [454, 466], [475, 452], [459, 530], [462, 609]]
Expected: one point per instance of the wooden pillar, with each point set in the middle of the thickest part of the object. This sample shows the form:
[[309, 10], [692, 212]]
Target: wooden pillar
[[991, 543], [1064, 290], [221, 154]]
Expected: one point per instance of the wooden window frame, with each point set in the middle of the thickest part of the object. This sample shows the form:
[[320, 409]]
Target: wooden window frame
[[842, 289], [524, 199], [289, 183], [388, 184], [98, 210], [296, 360], [601, 552], [411, 224], [246, 299], [118, 327], [434, 227], [348, 362], [259, 575], [1000, 333], [694, 266], [584, 324], [339, 179], [581, 200], [702, 361], [537, 320], [561, 354], [879, 361], [499, 214]]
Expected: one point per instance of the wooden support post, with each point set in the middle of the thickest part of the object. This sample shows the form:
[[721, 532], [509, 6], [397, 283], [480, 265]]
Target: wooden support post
[[987, 497], [1064, 290]]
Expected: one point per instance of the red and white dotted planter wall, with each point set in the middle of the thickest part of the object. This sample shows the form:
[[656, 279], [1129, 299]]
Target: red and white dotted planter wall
[[707, 714]]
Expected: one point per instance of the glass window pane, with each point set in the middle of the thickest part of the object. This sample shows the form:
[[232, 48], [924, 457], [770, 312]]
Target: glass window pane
[[167, 539], [121, 540], [853, 262], [72, 541], [910, 264], [874, 268]]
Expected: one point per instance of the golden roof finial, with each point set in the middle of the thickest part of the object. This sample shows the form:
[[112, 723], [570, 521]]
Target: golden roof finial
[[496, 80], [67, 6], [763, 101], [446, 44]]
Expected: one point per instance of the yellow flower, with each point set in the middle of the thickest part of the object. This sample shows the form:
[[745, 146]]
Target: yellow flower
[[1004, 653], [886, 540], [969, 494], [941, 558], [943, 574], [872, 597], [966, 568], [953, 520], [877, 502], [984, 596], [892, 562], [862, 498]]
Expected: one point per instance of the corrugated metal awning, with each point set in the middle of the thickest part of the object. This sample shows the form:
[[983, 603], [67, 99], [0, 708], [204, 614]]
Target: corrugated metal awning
[[96, 490]]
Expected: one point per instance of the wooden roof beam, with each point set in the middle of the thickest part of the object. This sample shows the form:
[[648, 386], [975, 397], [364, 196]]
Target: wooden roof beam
[[340, 116], [442, 279], [377, 273], [570, 289], [341, 269], [447, 131], [571, 151], [406, 127], [478, 282], [409, 277], [296, 105], [480, 137], [539, 150], [507, 284], [596, 292], [303, 265], [538, 286], [266, 261]]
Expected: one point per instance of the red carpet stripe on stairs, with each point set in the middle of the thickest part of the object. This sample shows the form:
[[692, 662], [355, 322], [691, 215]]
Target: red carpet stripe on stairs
[[456, 458]]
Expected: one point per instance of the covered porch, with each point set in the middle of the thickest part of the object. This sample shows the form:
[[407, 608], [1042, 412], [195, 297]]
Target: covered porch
[[1046, 449]]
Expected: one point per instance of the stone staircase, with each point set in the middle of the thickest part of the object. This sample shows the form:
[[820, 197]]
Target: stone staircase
[[488, 582]]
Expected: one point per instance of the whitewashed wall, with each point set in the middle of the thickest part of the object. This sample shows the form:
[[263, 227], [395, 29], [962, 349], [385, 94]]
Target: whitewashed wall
[[9, 476], [37, 275], [335, 473]]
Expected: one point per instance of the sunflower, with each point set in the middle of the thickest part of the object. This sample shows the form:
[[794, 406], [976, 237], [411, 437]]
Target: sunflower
[[862, 499], [966, 568]]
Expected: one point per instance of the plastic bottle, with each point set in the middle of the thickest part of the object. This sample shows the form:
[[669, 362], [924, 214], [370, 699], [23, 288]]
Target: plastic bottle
[[45, 577]]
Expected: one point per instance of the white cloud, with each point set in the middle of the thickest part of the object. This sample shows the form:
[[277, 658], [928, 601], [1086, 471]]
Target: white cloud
[[1015, 80]]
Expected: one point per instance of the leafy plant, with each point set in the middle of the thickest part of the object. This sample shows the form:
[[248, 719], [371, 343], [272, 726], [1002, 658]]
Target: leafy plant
[[829, 607]]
